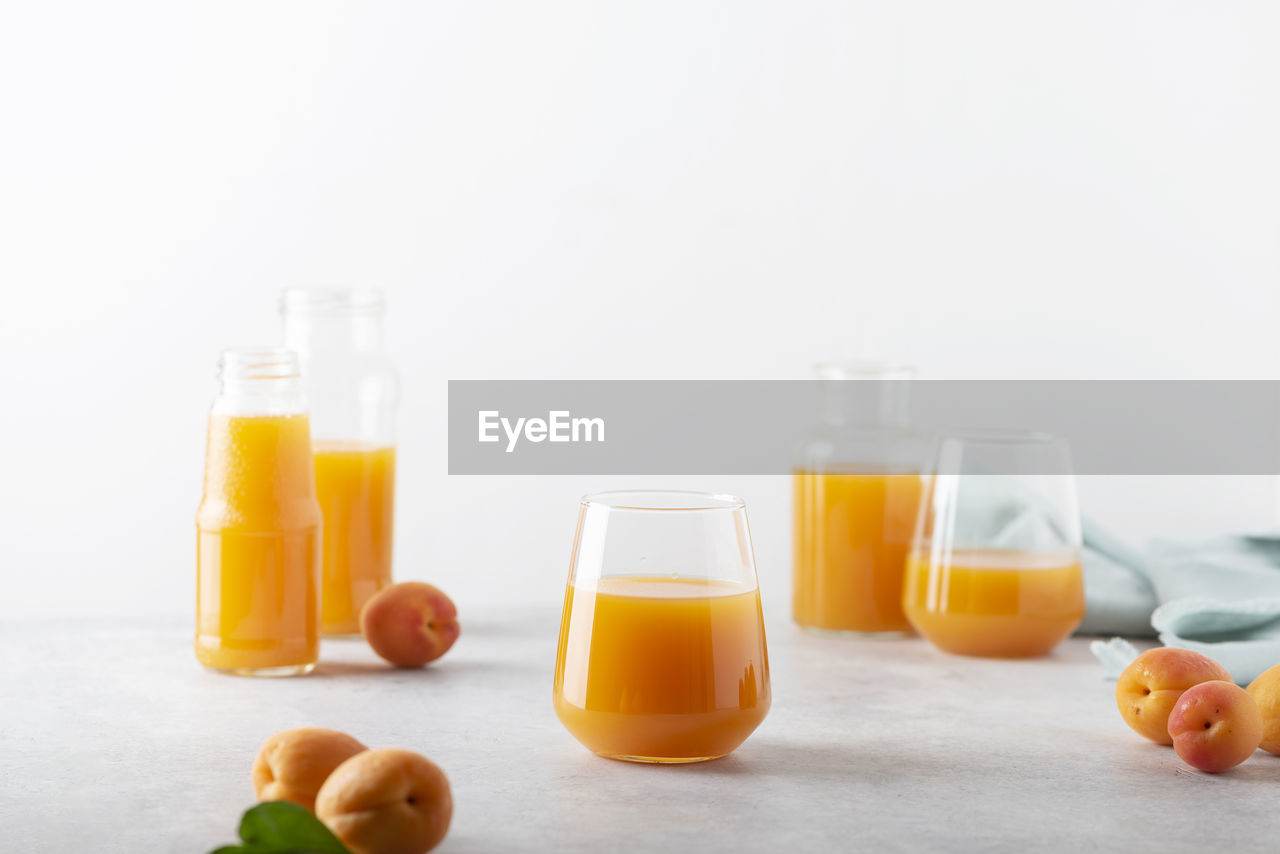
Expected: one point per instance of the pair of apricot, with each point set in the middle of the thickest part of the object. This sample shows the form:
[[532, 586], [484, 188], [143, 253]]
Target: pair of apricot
[[1186, 699], [385, 801]]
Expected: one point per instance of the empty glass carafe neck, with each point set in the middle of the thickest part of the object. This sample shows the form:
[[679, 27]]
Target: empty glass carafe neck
[[331, 319], [864, 394], [865, 403]]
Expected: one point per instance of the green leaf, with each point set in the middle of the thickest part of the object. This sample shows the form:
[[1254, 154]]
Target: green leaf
[[281, 827]]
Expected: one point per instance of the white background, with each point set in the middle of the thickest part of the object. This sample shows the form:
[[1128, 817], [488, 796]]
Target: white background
[[604, 190]]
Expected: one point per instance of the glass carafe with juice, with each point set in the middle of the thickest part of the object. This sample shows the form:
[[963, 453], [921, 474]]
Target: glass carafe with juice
[[995, 567], [353, 390], [258, 525], [856, 489], [662, 651]]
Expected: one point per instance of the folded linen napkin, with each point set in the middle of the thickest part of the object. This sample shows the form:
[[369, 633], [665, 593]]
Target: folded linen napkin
[[1119, 596], [1221, 596], [1217, 595]]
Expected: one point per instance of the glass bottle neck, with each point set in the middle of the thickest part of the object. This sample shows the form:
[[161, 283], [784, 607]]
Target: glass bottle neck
[[864, 394], [865, 403], [317, 333], [331, 320], [259, 381]]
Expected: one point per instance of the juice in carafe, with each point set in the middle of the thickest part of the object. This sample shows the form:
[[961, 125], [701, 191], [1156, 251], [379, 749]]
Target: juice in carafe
[[995, 602], [662, 669], [851, 535], [355, 485]]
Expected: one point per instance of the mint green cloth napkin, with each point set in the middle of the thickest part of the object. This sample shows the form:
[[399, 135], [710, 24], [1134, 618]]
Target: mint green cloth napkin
[[1119, 596], [1216, 595], [1221, 596]]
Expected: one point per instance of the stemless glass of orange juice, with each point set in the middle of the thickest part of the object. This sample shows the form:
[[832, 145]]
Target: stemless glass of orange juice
[[352, 390], [995, 565], [258, 525], [662, 651]]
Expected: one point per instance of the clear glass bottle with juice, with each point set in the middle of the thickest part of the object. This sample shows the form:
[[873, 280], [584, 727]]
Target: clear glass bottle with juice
[[258, 524], [855, 492], [353, 392]]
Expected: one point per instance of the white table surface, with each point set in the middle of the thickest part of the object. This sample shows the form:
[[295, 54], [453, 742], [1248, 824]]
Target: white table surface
[[113, 739]]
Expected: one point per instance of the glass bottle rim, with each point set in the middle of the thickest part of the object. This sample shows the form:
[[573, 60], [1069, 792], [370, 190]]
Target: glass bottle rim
[[864, 369], [259, 363], [324, 300], [662, 500]]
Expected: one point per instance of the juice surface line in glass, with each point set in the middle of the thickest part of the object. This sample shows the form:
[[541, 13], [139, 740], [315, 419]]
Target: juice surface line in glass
[[258, 524], [355, 485], [653, 668], [852, 532], [992, 602], [353, 392]]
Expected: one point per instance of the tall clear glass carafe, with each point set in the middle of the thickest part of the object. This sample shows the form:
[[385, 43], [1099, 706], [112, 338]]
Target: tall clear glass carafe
[[856, 489], [353, 390]]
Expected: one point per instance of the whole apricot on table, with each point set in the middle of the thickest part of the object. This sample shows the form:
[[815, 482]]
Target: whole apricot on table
[[1215, 726], [1265, 691], [410, 623], [293, 764], [1150, 686], [387, 801]]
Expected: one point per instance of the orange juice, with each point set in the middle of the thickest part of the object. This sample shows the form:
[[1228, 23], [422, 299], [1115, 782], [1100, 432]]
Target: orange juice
[[258, 547], [851, 536], [661, 669], [355, 484], [993, 602]]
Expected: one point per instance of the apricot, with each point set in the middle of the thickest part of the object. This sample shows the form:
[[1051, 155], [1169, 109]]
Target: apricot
[[293, 764], [410, 624], [1150, 686], [1215, 725], [1265, 691], [387, 801]]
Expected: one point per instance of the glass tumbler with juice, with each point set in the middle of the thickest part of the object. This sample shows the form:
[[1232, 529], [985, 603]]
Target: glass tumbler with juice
[[662, 652], [995, 568]]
